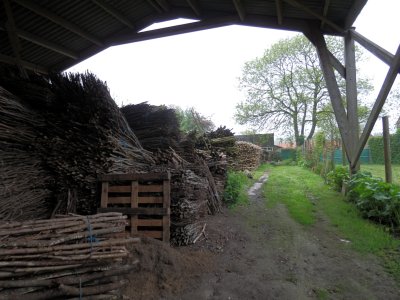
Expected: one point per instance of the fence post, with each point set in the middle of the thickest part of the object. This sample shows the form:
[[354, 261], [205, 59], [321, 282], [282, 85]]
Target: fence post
[[386, 149]]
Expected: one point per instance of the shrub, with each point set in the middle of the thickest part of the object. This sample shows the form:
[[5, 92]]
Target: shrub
[[376, 200], [337, 177], [235, 190]]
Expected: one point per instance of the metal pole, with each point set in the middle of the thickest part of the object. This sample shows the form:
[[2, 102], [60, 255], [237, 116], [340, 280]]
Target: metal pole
[[386, 149]]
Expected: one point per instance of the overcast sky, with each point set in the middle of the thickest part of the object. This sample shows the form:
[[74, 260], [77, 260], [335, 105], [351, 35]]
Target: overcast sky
[[201, 69]]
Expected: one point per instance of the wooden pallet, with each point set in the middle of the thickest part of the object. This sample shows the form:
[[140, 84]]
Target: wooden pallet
[[145, 198]]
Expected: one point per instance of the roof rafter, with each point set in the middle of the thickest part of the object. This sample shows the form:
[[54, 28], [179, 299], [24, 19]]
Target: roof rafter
[[13, 37], [115, 13], [194, 5], [279, 11], [59, 20], [239, 6], [325, 11], [297, 4], [159, 5], [44, 43], [26, 64]]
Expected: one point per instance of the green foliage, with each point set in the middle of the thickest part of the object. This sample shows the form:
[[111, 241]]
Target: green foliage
[[376, 147], [337, 177], [237, 183], [192, 121], [286, 90], [236, 188], [379, 171], [376, 200]]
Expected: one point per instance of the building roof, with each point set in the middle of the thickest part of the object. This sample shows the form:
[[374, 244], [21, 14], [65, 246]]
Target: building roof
[[45, 35]]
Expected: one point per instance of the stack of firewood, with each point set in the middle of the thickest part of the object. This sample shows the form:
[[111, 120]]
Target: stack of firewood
[[247, 156], [66, 257], [24, 181], [189, 205], [66, 130], [156, 127]]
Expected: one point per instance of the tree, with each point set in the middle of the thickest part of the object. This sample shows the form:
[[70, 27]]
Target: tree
[[190, 120], [286, 90]]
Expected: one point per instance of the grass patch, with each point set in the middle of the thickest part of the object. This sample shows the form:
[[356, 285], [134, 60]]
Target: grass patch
[[237, 184], [379, 171], [304, 192], [288, 188]]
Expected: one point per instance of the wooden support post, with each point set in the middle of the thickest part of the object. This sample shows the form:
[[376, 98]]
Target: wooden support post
[[134, 204], [351, 97], [334, 93], [380, 101], [166, 222], [386, 149]]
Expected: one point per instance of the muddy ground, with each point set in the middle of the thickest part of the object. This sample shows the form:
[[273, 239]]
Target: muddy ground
[[256, 252]]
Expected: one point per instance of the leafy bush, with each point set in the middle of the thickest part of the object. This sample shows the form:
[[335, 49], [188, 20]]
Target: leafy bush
[[235, 190], [337, 177], [376, 200]]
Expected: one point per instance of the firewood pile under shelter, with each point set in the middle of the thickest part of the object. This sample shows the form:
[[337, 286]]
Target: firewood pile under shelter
[[60, 132], [64, 258]]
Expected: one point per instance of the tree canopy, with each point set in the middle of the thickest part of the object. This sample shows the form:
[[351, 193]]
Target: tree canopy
[[192, 121], [286, 91]]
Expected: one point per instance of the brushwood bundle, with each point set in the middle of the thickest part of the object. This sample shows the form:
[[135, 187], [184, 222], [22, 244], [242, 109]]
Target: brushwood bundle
[[68, 129], [64, 258]]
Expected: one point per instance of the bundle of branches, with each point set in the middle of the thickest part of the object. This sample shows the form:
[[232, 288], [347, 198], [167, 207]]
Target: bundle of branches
[[189, 199], [247, 156], [24, 182], [83, 133], [156, 127], [220, 132], [66, 257]]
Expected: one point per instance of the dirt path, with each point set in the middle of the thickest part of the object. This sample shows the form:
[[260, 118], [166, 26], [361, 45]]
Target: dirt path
[[263, 254]]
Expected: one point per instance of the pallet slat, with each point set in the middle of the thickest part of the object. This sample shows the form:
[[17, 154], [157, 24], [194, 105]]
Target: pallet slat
[[152, 233], [151, 199], [119, 189], [150, 222], [152, 188], [113, 194]]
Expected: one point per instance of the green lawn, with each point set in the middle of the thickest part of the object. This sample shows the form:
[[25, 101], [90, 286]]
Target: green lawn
[[379, 171], [304, 193]]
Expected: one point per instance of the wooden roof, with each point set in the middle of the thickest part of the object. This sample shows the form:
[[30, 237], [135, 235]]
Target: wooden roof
[[45, 35]]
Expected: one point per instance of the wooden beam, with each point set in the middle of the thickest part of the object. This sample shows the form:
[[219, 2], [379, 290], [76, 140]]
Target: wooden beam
[[297, 4], [325, 11], [333, 89], [113, 12], [13, 37], [155, 6], [386, 150], [376, 50], [351, 97], [239, 6], [27, 65], [380, 101], [174, 30], [194, 5], [44, 43], [163, 4], [60, 21], [353, 12], [279, 11], [333, 60], [159, 5]]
